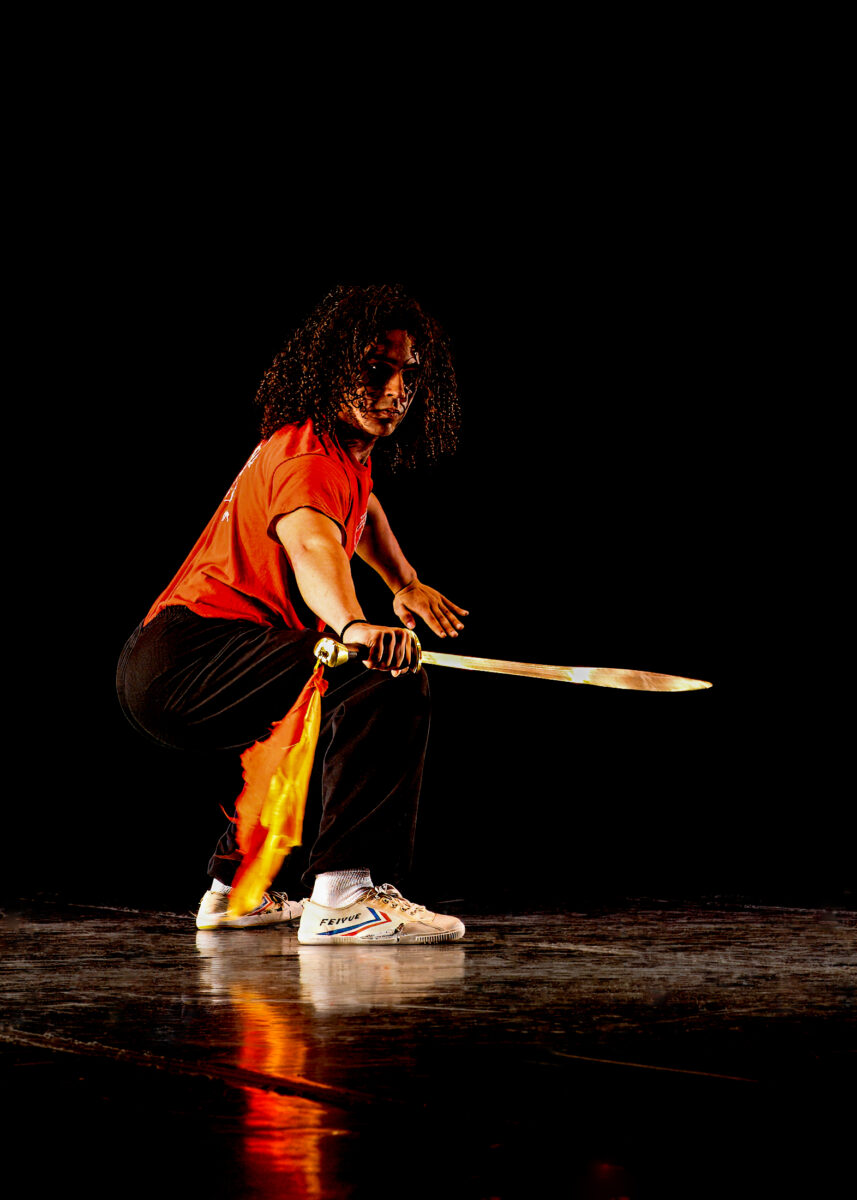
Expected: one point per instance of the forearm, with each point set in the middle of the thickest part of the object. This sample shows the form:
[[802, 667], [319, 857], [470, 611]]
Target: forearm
[[411, 598], [379, 548], [323, 575], [324, 581]]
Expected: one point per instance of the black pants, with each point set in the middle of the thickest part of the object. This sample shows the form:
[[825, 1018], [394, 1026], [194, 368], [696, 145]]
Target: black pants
[[202, 683]]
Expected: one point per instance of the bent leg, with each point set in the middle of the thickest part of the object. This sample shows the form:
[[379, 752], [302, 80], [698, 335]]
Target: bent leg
[[203, 683], [374, 736], [206, 684]]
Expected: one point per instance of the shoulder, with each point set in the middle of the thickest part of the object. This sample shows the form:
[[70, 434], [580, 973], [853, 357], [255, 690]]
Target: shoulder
[[298, 449], [293, 441]]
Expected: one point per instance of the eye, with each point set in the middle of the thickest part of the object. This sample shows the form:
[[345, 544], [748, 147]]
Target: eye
[[377, 374]]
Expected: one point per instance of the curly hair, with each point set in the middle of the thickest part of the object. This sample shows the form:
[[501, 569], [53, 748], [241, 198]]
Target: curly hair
[[321, 363]]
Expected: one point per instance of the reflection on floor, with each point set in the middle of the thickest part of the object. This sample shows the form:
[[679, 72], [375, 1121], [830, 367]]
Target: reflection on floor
[[642, 1051]]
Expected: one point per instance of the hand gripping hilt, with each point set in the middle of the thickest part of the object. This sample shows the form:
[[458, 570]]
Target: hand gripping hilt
[[331, 653]]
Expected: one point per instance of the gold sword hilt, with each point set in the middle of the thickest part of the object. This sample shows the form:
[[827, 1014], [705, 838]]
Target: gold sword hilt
[[331, 653]]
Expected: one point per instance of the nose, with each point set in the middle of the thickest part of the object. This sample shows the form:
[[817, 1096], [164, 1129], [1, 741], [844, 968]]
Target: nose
[[394, 389]]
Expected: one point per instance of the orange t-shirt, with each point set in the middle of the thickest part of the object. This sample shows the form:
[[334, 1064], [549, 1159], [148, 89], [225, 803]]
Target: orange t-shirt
[[239, 568]]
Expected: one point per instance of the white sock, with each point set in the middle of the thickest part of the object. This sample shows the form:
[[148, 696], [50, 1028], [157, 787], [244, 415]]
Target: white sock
[[338, 889], [219, 888]]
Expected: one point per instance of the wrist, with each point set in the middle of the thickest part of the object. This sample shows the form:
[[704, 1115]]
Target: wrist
[[404, 587], [348, 624]]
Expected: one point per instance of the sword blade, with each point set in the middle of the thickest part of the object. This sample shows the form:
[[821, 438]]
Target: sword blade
[[610, 677]]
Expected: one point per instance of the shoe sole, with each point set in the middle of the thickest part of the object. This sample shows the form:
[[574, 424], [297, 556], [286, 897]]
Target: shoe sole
[[453, 935], [244, 923], [249, 925], [254, 925]]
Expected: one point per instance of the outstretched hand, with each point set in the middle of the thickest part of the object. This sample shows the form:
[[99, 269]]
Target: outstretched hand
[[419, 600]]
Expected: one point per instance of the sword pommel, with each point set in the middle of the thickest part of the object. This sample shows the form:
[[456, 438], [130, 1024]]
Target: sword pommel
[[331, 653]]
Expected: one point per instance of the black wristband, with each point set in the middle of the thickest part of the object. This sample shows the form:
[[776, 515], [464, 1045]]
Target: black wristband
[[356, 621]]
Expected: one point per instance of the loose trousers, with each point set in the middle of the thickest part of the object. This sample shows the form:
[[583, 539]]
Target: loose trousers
[[204, 683]]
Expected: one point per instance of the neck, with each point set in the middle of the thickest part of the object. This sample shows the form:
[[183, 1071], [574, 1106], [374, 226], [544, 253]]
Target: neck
[[358, 446]]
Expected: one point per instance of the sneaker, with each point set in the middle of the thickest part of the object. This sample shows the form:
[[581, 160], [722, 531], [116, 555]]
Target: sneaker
[[275, 908], [381, 917]]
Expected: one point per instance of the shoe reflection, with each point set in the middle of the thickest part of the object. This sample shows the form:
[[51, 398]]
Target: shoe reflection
[[282, 996], [332, 978], [354, 978]]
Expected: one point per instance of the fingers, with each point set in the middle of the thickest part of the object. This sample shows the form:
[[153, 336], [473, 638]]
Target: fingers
[[442, 622], [449, 615], [441, 615], [389, 649]]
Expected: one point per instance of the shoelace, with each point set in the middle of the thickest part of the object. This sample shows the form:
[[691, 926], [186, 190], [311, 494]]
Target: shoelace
[[392, 896]]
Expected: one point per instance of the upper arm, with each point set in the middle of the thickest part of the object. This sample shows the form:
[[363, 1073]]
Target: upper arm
[[306, 529], [310, 484], [376, 527]]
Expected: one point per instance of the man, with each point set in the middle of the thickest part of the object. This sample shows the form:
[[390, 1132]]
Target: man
[[227, 647]]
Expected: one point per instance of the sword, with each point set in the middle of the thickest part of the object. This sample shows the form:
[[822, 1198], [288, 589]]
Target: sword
[[334, 654]]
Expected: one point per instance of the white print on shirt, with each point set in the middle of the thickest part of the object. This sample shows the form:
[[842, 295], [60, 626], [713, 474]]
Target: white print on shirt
[[228, 498], [361, 524]]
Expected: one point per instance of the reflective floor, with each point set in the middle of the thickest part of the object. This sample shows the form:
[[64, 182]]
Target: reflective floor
[[644, 1050]]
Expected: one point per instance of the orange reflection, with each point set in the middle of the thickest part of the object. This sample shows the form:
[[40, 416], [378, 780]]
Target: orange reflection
[[281, 995], [284, 1134]]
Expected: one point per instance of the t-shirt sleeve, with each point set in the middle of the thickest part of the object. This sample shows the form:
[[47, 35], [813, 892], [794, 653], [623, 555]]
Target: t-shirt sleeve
[[310, 481]]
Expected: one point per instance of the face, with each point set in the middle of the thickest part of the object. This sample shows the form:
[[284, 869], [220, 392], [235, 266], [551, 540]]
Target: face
[[388, 382]]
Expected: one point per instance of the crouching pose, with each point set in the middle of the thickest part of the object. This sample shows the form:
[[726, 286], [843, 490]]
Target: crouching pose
[[226, 648]]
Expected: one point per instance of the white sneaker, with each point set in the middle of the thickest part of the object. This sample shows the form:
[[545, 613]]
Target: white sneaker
[[381, 917], [275, 908]]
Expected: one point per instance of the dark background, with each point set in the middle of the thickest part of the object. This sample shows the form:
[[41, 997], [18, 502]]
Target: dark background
[[605, 279]]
